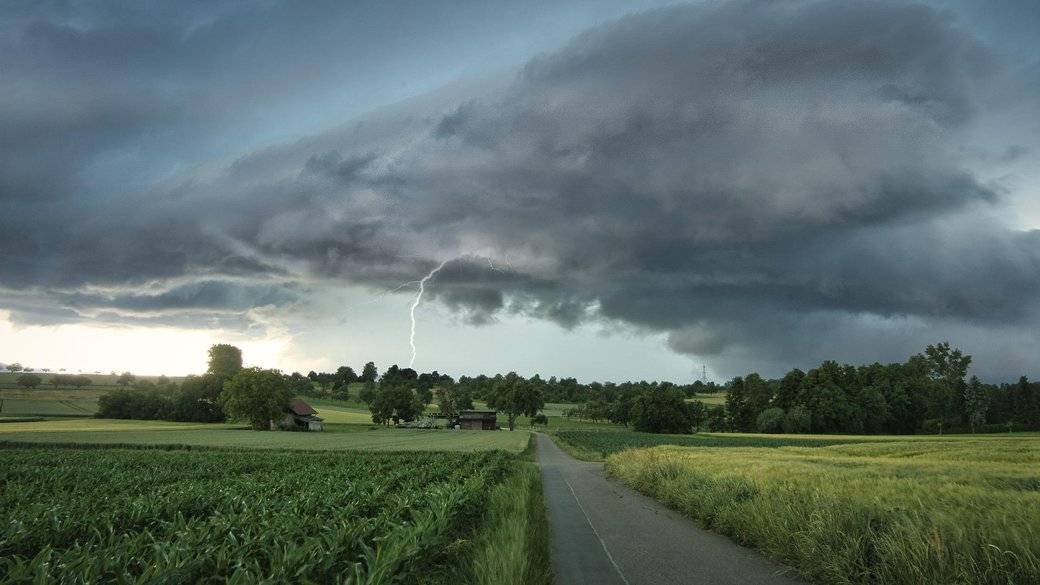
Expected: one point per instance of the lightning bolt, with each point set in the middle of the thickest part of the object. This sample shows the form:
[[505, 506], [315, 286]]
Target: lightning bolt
[[415, 303]]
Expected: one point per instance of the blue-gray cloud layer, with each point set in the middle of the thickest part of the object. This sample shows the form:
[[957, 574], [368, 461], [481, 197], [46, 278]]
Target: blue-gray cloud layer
[[768, 182]]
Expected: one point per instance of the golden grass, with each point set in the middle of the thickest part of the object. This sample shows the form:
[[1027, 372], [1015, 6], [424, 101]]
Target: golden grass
[[939, 511]]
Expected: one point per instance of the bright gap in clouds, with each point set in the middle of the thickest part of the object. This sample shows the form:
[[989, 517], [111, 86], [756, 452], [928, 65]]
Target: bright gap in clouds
[[141, 350]]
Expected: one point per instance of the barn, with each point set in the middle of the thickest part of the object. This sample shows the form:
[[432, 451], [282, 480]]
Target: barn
[[301, 416], [478, 420]]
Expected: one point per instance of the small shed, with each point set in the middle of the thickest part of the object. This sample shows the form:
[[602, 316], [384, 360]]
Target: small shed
[[478, 420], [301, 416]]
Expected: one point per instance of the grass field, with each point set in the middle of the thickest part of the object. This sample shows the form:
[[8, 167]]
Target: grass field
[[9, 380], [595, 444], [893, 510], [338, 437], [273, 517], [711, 399]]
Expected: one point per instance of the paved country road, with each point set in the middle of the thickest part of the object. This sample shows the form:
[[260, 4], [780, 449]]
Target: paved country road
[[604, 533]]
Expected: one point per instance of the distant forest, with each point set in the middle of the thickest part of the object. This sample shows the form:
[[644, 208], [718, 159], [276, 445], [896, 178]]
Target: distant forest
[[929, 393]]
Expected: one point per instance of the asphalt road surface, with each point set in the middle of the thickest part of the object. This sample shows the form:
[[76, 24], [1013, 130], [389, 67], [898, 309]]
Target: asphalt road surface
[[604, 533]]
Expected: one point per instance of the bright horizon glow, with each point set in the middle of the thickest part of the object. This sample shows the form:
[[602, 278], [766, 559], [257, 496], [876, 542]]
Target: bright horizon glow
[[144, 351]]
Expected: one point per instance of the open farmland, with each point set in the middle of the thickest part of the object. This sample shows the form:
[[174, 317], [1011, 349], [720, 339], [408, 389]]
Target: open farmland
[[338, 437], [928, 510], [246, 517], [596, 444], [49, 401]]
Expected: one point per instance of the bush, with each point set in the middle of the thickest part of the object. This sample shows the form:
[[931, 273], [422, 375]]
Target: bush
[[935, 426], [29, 381], [136, 404], [1004, 428], [771, 420], [798, 420]]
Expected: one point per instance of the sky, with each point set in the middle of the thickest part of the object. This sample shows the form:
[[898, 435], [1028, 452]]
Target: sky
[[616, 190]]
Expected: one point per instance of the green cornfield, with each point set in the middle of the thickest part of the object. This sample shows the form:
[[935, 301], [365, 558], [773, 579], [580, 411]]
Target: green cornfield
[[137, 516], [939, 511]]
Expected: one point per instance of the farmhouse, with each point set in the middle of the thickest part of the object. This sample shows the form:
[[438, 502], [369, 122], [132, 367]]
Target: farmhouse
[[301, 416], [478, 420]]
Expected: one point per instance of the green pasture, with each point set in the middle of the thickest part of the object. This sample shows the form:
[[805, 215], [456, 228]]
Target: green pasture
[[336, 437], [8, 380], [716, 399]]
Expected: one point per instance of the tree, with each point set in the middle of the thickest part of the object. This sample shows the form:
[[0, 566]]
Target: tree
[[453, 399], [300, 385], [256, 395], [787, 390], [661, 410], [369, 373], [1025, 401], [798, 420], [746, 398], [367, 393], [514, 396], [620, 410], [716, 420], [125, 379], [697, 412], [224, 361], [29, 381], [80, 381], [344, 375], [975, 403], [15, 367], [395, 402], [771, 420], [948, 367]]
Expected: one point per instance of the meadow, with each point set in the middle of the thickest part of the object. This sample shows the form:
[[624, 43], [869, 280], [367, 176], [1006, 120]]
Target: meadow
[[595, 444], [894, 510], [336, 437], [249, 517]]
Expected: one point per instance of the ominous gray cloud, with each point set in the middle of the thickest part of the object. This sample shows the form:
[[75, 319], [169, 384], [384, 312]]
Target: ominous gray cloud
[[771, 183]]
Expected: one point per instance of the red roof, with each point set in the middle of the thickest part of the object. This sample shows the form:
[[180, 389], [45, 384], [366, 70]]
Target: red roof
[[301, 408]]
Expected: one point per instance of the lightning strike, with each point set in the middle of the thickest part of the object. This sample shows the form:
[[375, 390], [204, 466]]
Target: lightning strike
[[415, 303]]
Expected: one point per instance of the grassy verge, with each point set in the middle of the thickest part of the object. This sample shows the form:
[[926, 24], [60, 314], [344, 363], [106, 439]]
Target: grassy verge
[[513, 546], [910, 512]]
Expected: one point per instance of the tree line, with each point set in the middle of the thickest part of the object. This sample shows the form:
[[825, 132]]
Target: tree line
[[929, 393]]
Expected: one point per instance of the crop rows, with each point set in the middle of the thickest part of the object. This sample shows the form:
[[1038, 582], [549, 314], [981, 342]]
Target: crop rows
[[141, 516], [609, 441]]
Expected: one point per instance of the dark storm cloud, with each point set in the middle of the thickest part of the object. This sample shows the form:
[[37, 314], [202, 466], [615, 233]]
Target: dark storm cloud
[[757, 179]]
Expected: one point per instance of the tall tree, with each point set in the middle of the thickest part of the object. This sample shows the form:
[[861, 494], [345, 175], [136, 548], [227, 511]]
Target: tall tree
[[395, 402], [975, 403], [948, 367], [787, 389], [224, 361], [514, 396], [257, 395], [369, 373], [453, 399], [125, 379], [661, 410]]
